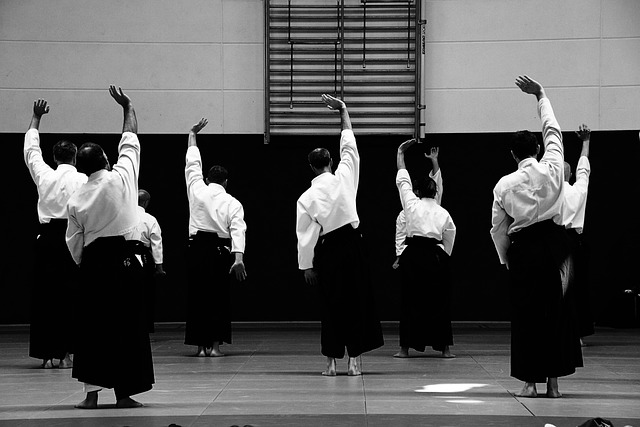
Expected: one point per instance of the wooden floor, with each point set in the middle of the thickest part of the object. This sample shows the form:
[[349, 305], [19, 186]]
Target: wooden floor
[[271, 377]]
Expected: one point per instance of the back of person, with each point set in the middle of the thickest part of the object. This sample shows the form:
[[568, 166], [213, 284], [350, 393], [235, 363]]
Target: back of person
[[532, 194], [210, 207], [331, 198], [426, 218], [118, 213], [56, 189]]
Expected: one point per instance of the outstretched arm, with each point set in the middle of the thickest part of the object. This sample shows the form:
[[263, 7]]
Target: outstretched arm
[[194, 131], [584, 133], [401, 149], [337, 104], [436, 173], [32, 152], [551, 132], [130, 123], [40, 108]]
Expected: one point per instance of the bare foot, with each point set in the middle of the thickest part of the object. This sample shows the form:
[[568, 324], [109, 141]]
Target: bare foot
[[529, 390], [446, 353], [128, 402], [353, 369], [47, 364], [552, 388], [65, 363], [582, 343], [201, 352], [403, 353], [215, 350], [90, 402], [331, 368]]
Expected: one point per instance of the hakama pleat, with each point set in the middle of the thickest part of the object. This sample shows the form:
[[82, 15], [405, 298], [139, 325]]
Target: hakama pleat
[[580, 284], [209, 294], [544, 334], [348, 311], [113, 348], [426, 296], [148, 280], [52, 294]]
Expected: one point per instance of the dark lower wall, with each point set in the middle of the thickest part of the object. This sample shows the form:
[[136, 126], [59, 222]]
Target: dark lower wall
[[268, 179]]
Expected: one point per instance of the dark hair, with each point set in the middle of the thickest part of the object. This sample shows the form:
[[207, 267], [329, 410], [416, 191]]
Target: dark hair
[[319, 158], [524, 144], [143, 197], [425, 186], [90, 158], [217, 174], [65, 152]]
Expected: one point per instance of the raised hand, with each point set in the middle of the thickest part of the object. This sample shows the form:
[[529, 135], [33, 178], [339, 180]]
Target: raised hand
[[433, 153], [333, 103], [528, 85], [584, 133], [119, 96], [198, 126], [405, 145], [40, 107]]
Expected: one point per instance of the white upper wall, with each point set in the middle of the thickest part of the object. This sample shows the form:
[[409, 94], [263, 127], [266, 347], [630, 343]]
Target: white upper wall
[[585, 52], [178, 60], [182, 60]]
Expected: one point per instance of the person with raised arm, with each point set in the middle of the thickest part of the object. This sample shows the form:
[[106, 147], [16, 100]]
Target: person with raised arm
[[425, 318], [113, 349], [215, 253], [573, 213], [401, 223], [531, 241], [51, 329], [331, 252]]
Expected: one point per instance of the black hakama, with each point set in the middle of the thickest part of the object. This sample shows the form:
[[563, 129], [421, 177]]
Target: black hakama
[[52, 293], [580, 284], [348, 311], [148, 280], [113, 348], [426, 295], [208, 301], [544, 335]]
